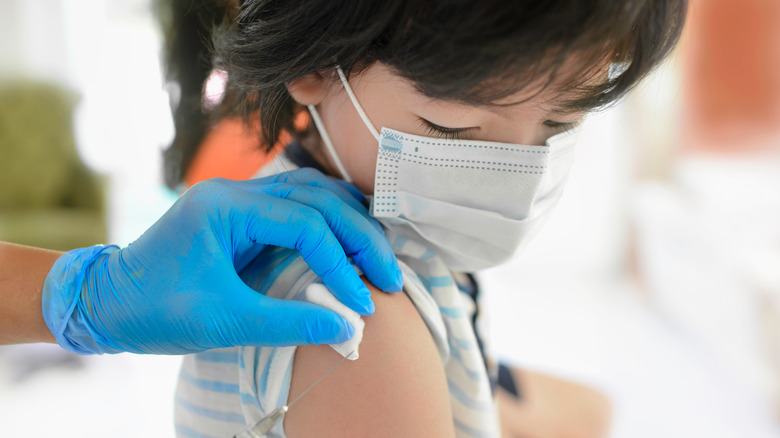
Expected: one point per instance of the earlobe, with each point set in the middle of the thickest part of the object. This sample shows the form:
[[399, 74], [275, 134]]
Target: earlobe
[[309, 89]]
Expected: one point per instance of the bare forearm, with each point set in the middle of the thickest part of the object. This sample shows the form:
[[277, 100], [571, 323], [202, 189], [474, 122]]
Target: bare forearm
[[23, 270]]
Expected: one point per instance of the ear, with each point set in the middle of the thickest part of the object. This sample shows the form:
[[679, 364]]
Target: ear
[[310, 89]]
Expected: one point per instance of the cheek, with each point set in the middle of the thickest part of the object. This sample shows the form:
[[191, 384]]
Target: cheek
[[357, 149], [361, 164]]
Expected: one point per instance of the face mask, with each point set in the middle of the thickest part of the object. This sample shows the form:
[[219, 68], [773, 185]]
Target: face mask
[[474, 203]]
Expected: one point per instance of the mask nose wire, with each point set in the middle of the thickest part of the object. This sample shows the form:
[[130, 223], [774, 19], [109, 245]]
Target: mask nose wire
[[355, 102]]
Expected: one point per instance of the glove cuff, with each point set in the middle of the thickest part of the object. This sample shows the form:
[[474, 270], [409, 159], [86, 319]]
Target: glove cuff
[[60, 298]]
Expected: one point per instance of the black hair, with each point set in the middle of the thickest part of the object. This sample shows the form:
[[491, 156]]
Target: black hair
[[471, 51], [187, 27]]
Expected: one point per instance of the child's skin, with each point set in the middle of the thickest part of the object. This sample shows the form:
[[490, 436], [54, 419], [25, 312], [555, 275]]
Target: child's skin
[[398, 386]]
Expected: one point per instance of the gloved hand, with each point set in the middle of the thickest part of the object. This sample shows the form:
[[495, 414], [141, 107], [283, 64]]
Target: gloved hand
[[176, 289]]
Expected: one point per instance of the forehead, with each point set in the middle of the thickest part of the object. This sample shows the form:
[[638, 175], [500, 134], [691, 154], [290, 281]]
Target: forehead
[[551, 98], [553, 103], [541, 94], [557, 90]]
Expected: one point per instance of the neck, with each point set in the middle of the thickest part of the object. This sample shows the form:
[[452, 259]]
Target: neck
[[312, 143]]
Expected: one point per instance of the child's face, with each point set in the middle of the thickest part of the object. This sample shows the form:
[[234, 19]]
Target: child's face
[[393, 102]]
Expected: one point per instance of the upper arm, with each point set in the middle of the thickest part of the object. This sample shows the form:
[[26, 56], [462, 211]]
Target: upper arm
[[396, 388]]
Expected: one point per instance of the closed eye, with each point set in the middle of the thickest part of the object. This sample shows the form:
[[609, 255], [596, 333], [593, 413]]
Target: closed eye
[[561, 126], [435, 130]]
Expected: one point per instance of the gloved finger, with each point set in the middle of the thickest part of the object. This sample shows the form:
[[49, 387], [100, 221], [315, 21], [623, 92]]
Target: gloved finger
[[351, 188], [286, 223], [313, 178], [368, 247], [308, 178], [327, 184], [259, 320]]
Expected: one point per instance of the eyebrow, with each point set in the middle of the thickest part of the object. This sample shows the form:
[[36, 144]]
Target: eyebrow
[[557, 110], [498, 110], [564, 110]]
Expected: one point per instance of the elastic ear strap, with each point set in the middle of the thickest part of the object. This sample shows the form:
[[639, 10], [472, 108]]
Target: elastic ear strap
[[315, 115], [355, 102]]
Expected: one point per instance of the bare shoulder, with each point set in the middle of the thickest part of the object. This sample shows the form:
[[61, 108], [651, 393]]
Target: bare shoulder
[[396, 388]]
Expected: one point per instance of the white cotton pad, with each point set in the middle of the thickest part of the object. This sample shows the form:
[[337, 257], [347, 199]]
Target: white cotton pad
[[318, 294]]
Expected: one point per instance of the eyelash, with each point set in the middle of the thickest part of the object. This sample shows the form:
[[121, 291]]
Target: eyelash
[[441, 131], [561, 126], [456, 133]]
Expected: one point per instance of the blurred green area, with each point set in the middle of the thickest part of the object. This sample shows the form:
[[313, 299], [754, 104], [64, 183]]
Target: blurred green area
[[48, 196]]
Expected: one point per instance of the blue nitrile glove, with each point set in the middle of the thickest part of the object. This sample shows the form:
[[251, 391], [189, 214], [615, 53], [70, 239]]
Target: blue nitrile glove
[[175, 290]]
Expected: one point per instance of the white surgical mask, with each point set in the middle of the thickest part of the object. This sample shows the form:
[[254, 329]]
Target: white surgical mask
[[474, 203]]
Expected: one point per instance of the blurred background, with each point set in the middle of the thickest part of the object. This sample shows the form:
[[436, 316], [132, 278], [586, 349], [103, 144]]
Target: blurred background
[[656, 282]]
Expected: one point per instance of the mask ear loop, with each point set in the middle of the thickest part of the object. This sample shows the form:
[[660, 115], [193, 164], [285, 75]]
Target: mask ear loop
[[355, 102], [315, 115]]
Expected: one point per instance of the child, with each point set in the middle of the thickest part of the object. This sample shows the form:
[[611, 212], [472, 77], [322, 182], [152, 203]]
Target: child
[[457, 118]]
